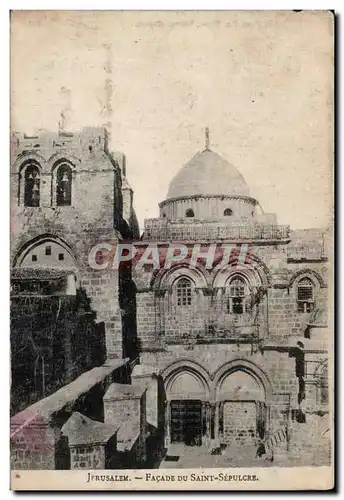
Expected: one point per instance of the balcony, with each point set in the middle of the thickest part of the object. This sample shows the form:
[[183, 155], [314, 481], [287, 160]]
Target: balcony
[[163, 230]]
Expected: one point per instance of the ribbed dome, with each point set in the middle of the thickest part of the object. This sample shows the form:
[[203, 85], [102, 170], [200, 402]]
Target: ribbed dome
[[207, 174]]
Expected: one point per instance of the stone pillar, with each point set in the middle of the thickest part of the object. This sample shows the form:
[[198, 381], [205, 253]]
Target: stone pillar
[[208, 415], [167, 423], [125, 406], [216, 424], [144, 376]]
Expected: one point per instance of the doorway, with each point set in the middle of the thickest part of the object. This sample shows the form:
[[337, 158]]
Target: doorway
[[186, 422]]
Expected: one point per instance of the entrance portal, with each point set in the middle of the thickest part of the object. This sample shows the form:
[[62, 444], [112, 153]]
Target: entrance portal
[[186, 422], [241, 408]]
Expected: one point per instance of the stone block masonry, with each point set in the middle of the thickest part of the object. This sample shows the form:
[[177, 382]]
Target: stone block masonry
[[37, 441], [125, 405], [94, 213]]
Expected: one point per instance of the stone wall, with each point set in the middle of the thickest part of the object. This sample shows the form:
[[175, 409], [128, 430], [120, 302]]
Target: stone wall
[[88, 457], [125, 406], [94, 216], [239, 422], [36, 438], [159, 317], [208, 207]]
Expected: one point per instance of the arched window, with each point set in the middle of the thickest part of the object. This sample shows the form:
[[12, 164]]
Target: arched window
[[228, 212], [189, 213], [305, 295], [184, 292], [32, 186], [64, 185], [238, 291]]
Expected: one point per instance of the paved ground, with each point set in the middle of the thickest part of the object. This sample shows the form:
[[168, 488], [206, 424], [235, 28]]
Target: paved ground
[[184, 457]]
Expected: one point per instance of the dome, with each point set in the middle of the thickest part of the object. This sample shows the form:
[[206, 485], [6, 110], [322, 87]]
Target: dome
[[207, 173]]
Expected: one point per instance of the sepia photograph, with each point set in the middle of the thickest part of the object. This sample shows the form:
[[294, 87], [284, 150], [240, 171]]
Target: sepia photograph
[[172, 250]]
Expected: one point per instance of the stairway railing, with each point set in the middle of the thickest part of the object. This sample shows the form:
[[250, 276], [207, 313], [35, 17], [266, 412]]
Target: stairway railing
[[279, 437]]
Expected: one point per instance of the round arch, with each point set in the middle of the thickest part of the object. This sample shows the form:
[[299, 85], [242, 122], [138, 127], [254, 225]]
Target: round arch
[[23, 160], [165, 278], [60, 157], [256, 273], [321, 368], [23, 249], [307, 273]]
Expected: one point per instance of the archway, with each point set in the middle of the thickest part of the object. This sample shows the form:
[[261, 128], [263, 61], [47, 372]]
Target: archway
[[241, 413], [187, 405]]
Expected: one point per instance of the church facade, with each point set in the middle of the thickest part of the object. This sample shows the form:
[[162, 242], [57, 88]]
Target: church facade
[[241, 345], [220, 348]]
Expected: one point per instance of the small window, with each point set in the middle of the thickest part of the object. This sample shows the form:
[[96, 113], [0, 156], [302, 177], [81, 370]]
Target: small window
[[190, 213], [48, 250], [184, 297], [34, 258], [228, 212], [305, 296], [61, 256]]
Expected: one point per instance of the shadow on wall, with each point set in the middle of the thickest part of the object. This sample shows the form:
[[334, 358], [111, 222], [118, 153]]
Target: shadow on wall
[[53, 340], [156, 451], [127, 300]]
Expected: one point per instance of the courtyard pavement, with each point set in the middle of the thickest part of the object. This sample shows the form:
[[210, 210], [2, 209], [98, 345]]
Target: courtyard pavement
[[185, 457]]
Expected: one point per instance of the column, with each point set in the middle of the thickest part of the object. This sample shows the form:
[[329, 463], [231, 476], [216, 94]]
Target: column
[[216, 423], [167, 423], [206, 408]]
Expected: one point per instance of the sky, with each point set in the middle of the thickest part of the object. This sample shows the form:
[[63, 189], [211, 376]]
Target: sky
[[261, 81]]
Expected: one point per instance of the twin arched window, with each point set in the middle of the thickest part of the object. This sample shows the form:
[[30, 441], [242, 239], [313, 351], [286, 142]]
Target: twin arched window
[[305, 295], [62, 185], [184, 292]]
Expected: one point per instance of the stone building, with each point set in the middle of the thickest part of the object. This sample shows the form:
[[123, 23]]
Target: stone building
[[112, 368], [68, 192], [241, 346]]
